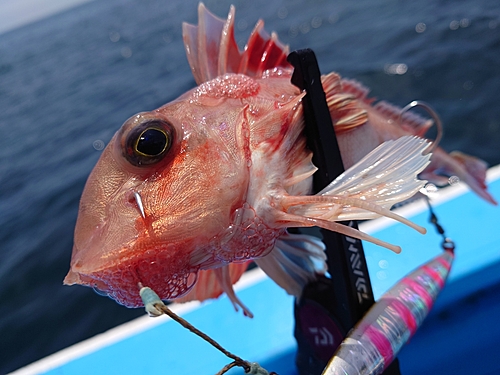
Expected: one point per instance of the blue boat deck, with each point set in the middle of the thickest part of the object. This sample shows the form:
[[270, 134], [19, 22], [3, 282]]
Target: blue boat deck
[[460, 336]]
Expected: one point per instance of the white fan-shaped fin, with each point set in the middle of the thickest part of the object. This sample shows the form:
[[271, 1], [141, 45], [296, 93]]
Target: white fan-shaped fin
[[385, 176], [294, 261]]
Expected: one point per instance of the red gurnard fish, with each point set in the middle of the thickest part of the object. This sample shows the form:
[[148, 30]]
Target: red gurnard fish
[[184, 196]]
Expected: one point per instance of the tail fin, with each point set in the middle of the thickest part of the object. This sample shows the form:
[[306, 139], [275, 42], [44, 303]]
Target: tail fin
[[467, 168]]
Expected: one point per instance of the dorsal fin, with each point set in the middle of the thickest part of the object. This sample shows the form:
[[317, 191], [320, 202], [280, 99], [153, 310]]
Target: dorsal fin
[[410, 121], [345, 112], [212, 50]]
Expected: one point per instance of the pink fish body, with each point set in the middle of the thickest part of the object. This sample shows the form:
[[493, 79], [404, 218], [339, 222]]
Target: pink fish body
[[185, 195]]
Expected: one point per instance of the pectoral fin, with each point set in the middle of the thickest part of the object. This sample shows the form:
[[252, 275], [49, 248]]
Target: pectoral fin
[[294, 261], [368, 189]]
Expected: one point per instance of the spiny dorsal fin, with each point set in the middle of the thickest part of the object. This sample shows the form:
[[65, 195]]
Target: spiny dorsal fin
[[212, 49], [345, 112], [410, 121]]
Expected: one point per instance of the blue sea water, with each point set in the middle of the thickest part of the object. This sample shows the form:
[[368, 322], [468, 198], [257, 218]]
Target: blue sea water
[[69, 81]]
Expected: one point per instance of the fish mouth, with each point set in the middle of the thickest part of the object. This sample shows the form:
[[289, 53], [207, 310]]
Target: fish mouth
[[161, 269]]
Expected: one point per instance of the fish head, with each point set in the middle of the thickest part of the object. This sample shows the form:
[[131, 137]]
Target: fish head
[[163, 192]]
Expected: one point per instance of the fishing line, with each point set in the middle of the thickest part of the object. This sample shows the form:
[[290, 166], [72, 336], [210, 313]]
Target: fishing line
[[447, 243], [155, 307]]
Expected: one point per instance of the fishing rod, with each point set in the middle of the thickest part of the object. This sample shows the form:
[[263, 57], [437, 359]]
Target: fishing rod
[[329, 307]]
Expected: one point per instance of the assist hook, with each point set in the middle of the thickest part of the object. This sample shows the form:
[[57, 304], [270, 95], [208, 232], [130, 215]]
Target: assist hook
[[432, 113]]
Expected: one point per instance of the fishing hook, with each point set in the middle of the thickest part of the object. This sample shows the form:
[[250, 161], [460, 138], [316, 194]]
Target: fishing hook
[[432, 113]]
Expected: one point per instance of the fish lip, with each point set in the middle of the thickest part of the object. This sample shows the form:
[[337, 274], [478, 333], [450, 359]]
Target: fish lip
[[72, 278], [98, 286], [158, 267]]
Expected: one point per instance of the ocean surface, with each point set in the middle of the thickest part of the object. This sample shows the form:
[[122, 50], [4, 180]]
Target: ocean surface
[[69, 81]]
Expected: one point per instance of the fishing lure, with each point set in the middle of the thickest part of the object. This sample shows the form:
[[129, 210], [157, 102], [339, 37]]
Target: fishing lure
[[375, 341]]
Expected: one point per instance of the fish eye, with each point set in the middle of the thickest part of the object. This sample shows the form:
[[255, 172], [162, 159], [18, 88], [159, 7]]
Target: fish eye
[[149, 142]]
